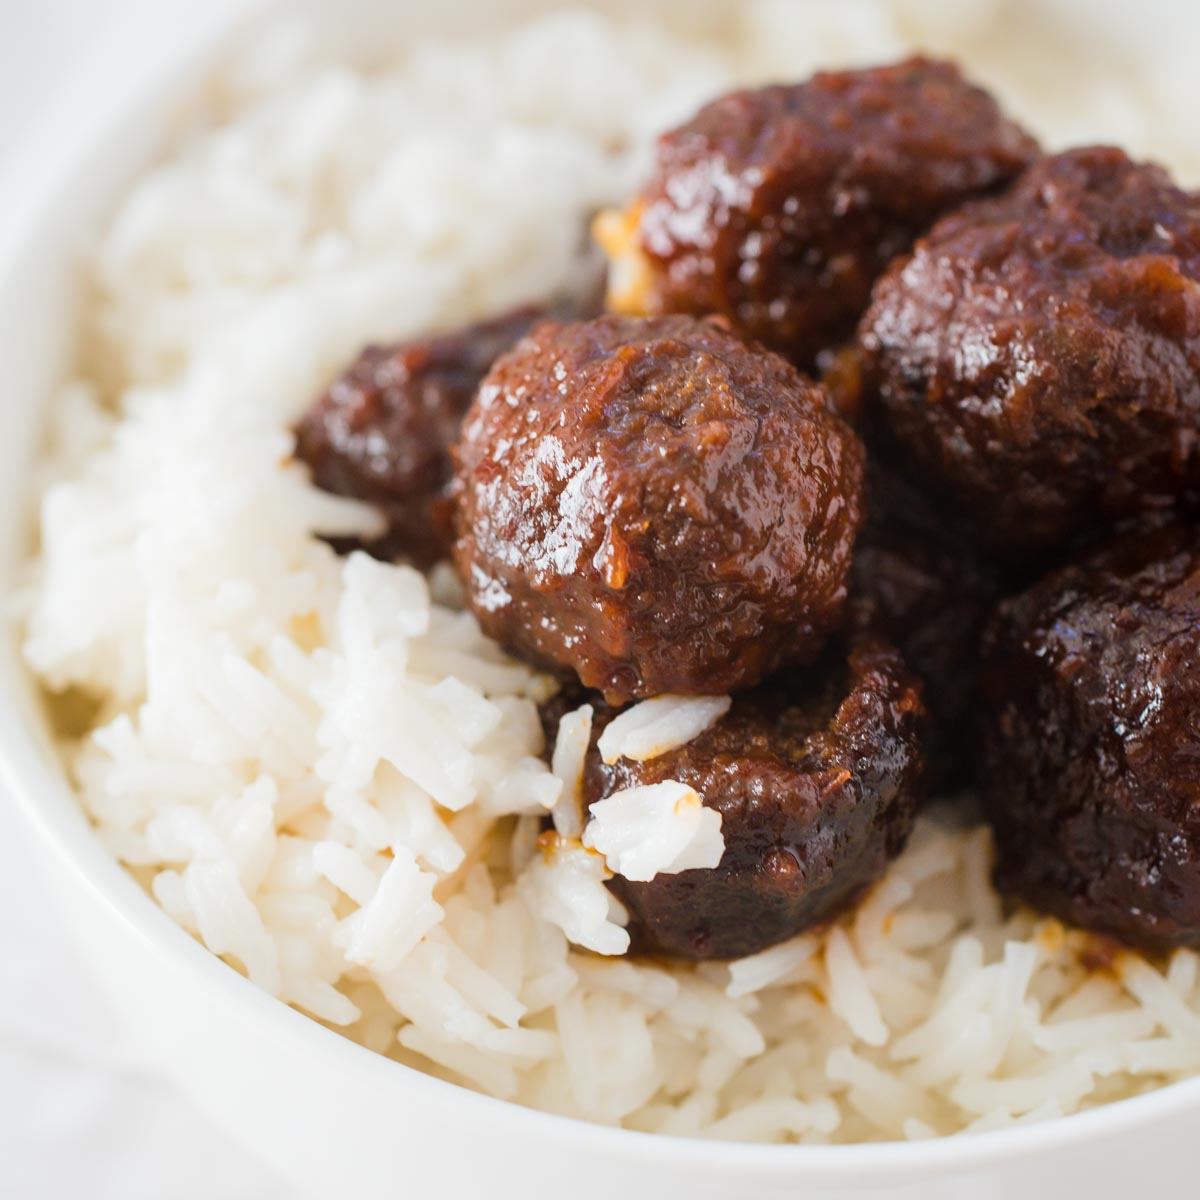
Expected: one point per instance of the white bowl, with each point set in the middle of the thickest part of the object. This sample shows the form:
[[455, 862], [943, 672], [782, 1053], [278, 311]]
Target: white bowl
[[335, 1118]]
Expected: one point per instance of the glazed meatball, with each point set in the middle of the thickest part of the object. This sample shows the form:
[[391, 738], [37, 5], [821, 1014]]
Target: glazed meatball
[[917, 581], [779, 207], [1092, 740], [1036, 360], [817, 780], [655, 506], [382, 432]]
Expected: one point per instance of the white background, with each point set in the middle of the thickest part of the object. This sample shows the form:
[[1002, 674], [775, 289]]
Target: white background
[[82, 1115]]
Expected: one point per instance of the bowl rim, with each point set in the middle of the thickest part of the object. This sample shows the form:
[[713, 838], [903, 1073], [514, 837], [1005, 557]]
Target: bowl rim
[[77, 128]]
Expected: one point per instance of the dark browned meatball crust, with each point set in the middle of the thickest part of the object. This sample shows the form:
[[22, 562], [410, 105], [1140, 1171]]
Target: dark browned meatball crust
[[655, 506], [778, 207], [817, 780], [1092, 740], [917, 581], [383, 431], [1037, 359]]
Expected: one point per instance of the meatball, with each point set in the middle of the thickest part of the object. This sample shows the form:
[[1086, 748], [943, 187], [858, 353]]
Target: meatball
[[656, 506], [382, 432], [921, 584], [1091, 739], [1036, 361], [817, 780], [778, 207]]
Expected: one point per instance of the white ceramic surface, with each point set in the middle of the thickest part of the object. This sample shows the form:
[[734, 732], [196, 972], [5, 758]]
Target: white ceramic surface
[[336, 1119]]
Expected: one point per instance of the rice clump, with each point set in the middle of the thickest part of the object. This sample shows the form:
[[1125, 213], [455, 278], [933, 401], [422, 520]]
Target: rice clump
[[322, 770]]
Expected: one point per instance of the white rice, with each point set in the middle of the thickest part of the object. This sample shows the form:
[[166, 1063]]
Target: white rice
[[324, 772], [653, 727], [567, 764], [662, 828]]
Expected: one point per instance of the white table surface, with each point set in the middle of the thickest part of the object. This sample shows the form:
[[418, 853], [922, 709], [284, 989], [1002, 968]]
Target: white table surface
[[83, 1114]]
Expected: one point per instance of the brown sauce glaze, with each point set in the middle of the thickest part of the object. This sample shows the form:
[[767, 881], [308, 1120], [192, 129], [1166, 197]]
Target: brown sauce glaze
[[920, 582], [1091, 738], [1036, 360], [778, 207], [817, 777], [383, 431], [655, 506]]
